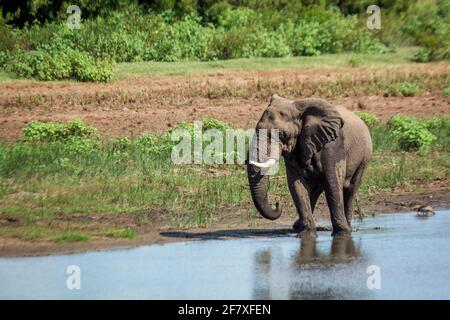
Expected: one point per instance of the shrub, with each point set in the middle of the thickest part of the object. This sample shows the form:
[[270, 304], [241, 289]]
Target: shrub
[[154, 145], [37, 131], [428, 24], [238, 18], [85, 68], [411, 134], [446, 92], [364, 42], [266, 44], [184, 40], [369, 119], [241, 34], [209, 123], [53, 62], [77, 145], [41, 65], [421, 55], [3, 57], [75, 137], [108, 39], [440, 128], [309, 39], [405, 89]]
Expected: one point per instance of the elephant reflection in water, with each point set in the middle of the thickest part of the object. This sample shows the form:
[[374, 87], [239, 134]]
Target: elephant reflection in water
[[342, 250], [311, 273]]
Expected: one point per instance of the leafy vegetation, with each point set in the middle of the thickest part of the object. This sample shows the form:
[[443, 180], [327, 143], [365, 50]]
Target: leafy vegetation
[[428, 23], [369, 119], [42, 179], [446, 92], [38, 43], [405, 89]]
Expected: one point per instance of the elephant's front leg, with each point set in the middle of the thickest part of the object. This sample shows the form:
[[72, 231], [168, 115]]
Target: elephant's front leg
[[300, 192]]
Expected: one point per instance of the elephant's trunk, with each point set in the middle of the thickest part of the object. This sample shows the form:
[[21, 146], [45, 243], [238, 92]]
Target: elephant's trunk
[[259, 188]]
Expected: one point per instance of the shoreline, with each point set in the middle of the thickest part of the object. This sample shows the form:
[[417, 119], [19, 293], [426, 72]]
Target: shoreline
[[385, 203]]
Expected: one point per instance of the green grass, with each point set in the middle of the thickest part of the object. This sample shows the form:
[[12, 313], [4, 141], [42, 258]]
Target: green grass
[[401, 57], [126, 233], [55, 194], [71, 237], [138, 69], [7, 77]]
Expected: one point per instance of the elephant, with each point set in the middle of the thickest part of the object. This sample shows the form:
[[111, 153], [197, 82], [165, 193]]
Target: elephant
[[325, 148]]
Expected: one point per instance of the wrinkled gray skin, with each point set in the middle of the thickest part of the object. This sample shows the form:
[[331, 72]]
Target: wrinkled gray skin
[[326, 149]]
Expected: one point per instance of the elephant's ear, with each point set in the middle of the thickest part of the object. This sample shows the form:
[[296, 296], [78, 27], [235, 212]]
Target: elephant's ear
[[321, 124]]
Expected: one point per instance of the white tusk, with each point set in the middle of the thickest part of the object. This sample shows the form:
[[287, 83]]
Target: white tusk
[[266, 164]]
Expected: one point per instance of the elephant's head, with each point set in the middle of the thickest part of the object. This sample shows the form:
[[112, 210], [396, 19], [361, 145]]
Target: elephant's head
[[305, 126]]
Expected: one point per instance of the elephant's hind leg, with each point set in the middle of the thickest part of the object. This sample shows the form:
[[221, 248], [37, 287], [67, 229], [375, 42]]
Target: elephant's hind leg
[[351, 191], [334, 173]]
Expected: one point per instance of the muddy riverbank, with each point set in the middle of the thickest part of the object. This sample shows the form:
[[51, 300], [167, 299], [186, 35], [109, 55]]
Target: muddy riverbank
[[392, 256], [231, 226]]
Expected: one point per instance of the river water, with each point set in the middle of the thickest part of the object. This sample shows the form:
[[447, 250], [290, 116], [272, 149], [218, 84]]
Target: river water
[[395, 256]]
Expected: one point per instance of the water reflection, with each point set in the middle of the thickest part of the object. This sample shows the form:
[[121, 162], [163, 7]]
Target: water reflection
[[316, 270], [412, 254]]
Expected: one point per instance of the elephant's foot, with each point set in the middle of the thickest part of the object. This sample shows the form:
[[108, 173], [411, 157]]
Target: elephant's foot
[[304, 231], [341, 233], [299, 226], [307, 234]]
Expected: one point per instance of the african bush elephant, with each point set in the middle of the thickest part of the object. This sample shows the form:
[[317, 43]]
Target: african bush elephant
[[325, 148]]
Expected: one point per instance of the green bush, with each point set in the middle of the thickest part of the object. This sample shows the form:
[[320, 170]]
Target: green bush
[[412, 135], [440, 128], [446, 92], [241, 34], [110, 38], [3, 57], [77, 145], [41, 65], [421, 55], [369, 119], [428, 24], [309, 39], [364, 42], [238, 18], [186, 39], [56, 63], [74, 137], [152, 144], [210, 123], [85, 68], [219, 30], [405, 89], [37, 131]]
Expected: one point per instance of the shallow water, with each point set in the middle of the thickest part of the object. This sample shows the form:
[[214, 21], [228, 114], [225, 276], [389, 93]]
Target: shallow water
[[413, 255]]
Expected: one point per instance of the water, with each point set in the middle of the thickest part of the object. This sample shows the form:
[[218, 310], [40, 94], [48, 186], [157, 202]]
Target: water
[[413, 256]]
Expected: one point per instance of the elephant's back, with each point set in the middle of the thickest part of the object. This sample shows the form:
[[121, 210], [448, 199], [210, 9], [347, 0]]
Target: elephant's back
[[358, 143]]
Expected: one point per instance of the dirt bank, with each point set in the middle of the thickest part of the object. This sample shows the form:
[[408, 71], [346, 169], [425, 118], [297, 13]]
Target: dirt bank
[[232, 225], [131, 106]]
